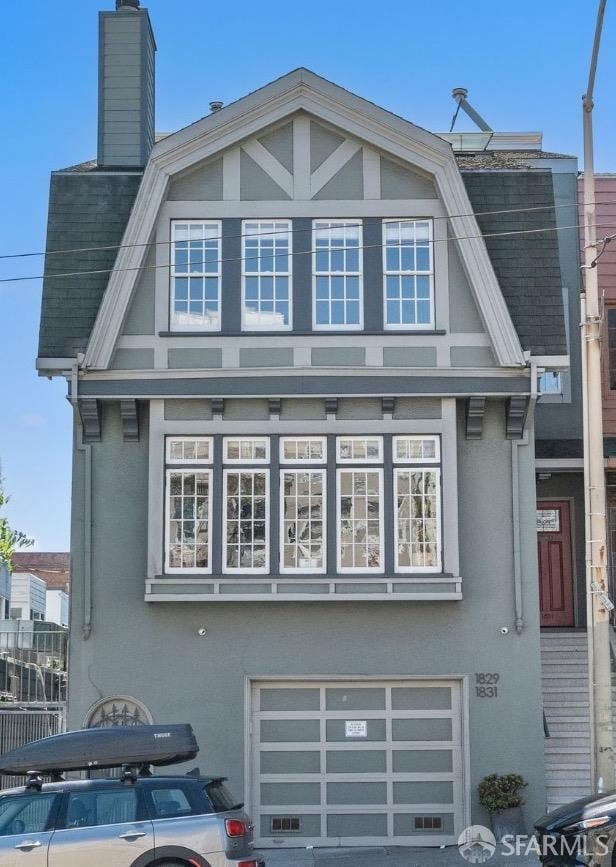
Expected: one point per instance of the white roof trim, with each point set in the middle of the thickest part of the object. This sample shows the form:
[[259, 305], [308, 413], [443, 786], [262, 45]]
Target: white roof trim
[[301, 90]]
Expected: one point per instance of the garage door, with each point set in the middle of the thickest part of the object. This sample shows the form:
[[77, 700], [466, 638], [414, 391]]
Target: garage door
[[357, 763]]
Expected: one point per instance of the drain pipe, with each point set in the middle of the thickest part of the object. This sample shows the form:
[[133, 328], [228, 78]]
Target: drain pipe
[[86, 450], [518, 595]]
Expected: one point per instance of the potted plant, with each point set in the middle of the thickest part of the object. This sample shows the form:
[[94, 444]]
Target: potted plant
[[500, 795]]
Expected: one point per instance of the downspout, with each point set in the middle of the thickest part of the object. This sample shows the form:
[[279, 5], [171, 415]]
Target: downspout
[[518, 595], [86, 450]]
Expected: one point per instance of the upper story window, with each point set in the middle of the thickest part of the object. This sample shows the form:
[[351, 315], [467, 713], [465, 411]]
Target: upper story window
[[266, 276], [246, 530], [195, 276], [360, 505], [337, 275], [417, 494], [550, 382], [408, 274]]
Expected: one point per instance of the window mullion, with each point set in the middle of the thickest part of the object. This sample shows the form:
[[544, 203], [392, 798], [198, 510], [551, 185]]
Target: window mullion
[[388, 506], [217, 504], [332, 523], [274, 498]]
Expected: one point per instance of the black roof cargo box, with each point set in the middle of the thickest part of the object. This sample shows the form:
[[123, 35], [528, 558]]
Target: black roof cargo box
[[103, 748]]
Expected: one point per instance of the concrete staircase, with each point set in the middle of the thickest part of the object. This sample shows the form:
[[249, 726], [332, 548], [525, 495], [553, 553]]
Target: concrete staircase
[[564, 662]]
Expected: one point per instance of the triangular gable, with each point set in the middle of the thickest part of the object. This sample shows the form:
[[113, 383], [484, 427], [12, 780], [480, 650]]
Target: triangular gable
[[321, 101]]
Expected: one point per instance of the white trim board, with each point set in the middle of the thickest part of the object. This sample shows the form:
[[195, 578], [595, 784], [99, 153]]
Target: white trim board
[[299, 91]]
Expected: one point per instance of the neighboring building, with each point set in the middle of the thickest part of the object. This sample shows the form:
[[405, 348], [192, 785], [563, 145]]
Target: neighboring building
[[5, 592], [605, 197], [304, 495], [56, 607], [52, 566], [28, 597]]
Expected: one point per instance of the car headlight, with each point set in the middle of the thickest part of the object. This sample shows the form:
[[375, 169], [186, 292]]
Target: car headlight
[[588, 824]]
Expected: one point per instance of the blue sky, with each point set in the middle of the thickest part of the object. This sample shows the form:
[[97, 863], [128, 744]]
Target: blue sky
[[524, 63]]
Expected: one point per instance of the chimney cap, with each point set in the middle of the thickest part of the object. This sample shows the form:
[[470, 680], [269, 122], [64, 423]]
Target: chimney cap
[[127, 4]]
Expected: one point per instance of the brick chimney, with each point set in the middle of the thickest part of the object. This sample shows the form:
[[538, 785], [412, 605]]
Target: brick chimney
[[125, 86]]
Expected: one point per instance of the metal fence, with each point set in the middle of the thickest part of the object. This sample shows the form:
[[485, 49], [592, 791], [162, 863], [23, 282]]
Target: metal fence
[[21, 725], [33, 665]]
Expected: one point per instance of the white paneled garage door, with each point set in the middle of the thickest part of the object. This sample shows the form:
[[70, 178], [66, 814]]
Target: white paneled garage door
[[357, 762]]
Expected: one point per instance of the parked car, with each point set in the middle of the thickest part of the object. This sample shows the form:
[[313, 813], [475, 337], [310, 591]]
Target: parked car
[[169, 821], [582, 832]]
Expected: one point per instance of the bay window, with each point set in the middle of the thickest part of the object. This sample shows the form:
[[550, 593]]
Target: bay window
[[274, 515]]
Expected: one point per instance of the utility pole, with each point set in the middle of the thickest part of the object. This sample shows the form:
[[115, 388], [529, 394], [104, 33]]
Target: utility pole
[[598, 604]]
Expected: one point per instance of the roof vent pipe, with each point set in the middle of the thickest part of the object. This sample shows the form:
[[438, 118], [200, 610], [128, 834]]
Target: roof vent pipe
[[127, 4], [460, 94], [216, 105]]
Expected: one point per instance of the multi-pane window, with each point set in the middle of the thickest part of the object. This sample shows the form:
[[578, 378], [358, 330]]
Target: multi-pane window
[[246, 506], [302, 520], [195, 276], [360, 505], [266, 276], [188, 512], [417, 516], [408, 273], [305, 450], [362, 475], [337, 275]]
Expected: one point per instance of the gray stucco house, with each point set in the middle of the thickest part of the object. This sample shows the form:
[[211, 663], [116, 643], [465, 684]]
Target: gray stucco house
[[303, 346]]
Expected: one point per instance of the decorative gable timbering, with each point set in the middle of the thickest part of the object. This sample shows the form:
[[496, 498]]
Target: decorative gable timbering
[[301, 159]]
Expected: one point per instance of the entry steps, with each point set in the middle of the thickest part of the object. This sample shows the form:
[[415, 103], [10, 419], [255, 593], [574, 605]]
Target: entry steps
[[564, 668]]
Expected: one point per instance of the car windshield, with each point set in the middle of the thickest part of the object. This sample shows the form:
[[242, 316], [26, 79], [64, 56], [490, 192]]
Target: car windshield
[[221, 798]]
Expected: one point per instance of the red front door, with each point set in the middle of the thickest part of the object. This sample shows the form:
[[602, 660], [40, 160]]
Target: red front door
[[555, 563]]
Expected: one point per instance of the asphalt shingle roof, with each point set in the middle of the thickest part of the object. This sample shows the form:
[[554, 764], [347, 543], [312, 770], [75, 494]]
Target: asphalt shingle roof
[[86, 209], [527, 265], [90, 208]]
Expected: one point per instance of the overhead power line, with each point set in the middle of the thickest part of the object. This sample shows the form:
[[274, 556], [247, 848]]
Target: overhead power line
[[509, 233], [104, 247]]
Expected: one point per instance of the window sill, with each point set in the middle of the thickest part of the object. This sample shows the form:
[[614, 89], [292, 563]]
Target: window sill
[[288, 588], [388, 332]]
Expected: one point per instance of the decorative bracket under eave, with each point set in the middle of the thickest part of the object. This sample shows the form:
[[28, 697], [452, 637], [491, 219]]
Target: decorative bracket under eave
[[90, 413], [517, 410], [475, 412], [129, 412], [331, 407]]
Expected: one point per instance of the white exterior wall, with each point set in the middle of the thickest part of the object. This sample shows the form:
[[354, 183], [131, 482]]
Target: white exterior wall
[[28, 593], [56, 607]]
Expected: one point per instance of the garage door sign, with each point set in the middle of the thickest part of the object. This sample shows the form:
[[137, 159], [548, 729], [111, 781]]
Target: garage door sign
[[356, 728]]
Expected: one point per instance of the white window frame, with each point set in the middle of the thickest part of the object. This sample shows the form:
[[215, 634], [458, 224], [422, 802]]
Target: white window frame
[[245, 461], [411, 326], [358, 570], [179, 462], [355, 223], [302, 461], [232, 570], [411, 467], [187, 570], [416, 461], [173, 325], [358, 461], [320, 570], [246, 273]]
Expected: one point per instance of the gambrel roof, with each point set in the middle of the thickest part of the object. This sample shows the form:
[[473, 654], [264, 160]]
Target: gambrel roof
[[89, 208]]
